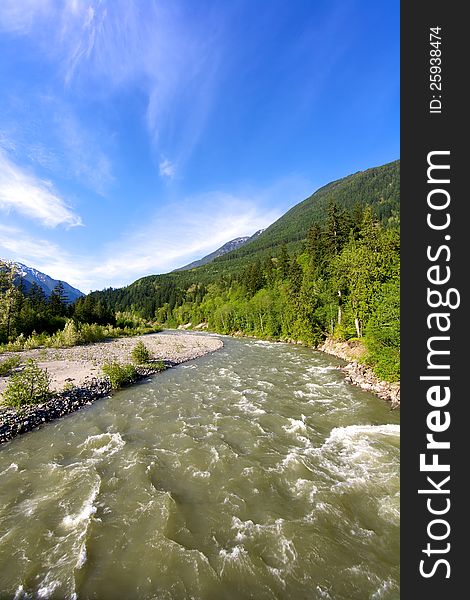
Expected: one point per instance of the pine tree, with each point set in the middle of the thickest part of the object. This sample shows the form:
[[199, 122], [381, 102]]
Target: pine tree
[[283, 262], [316, 246], [37, 297], [338, 225], [58, 301], [269, 272], [254, 278], [295, 278]]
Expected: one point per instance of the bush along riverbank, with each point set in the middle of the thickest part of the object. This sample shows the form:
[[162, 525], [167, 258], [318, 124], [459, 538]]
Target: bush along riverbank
[[15, 421], [360, 374]]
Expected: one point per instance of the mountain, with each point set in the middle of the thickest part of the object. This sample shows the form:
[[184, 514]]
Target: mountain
[[27, 276], [227, 247], [378, 187]]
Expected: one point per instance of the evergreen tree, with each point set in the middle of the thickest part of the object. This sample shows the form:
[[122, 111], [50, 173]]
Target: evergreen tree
[[338, 225], [295, 278], [58, 301], [316, 247], [37, 297], [269, 272], [255, 278], [283, 262]]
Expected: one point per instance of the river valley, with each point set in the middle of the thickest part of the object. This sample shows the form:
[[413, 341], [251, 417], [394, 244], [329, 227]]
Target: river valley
[[252, 472]]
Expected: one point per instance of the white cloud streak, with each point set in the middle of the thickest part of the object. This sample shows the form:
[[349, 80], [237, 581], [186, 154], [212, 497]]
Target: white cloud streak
[[19, 17], [175, 236], [53, 137], [18, 244], [32, 197], [167, 168], [184, 231], [101, 46]]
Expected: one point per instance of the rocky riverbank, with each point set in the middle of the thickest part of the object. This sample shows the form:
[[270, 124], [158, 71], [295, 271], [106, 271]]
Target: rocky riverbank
[[77, 379], [359, 374], [13, 422]]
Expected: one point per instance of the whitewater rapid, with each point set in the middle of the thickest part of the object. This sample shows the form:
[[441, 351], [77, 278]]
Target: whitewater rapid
[[253, 472]]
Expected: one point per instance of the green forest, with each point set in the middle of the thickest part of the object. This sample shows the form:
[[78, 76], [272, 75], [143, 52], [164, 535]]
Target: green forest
[[329, 267], [30, 319]]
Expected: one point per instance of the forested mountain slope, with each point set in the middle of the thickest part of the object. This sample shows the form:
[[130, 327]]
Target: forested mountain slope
[[329, 267], [378, 187]]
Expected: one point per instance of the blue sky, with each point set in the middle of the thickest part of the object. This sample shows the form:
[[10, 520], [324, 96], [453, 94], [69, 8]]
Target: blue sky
[[137, 136]]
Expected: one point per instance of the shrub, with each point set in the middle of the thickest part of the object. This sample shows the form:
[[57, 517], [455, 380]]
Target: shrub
[[92, 333], [140, 354], [66, 333], [35, 340], [386, 365], [16, 345], [67, 337], [158, 366], [7, 365], [118, 374], [29, 386]]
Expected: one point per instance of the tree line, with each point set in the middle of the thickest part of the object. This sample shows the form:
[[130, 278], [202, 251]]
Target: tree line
[[342, 282], [24, 312]]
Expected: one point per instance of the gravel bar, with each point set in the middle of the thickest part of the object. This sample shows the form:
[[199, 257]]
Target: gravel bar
[[81, 367]]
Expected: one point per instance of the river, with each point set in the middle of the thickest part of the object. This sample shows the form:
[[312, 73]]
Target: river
[[254, 472]]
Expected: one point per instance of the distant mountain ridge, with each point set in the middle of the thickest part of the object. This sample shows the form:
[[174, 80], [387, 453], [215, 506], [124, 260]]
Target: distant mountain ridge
[[227, 247], [28, 275], [377, 187]]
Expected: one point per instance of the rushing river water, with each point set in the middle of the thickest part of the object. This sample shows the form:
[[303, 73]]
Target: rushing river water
[[253, 472]]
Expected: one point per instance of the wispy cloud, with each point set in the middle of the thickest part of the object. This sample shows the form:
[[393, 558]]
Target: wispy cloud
[[185, 231], [173, 236], [54, 138], [32, 197], [167, 168], [19, 17], [101, 46], [23, 247], [83, 157]]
